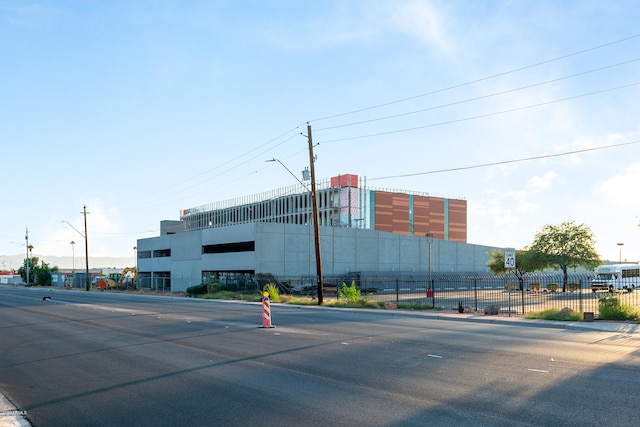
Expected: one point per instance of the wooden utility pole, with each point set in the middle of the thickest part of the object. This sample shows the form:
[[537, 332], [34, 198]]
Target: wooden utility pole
[[316, 218], [86, 249], [26, 238]]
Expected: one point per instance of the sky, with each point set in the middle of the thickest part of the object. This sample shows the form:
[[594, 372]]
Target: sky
[[529, 110]]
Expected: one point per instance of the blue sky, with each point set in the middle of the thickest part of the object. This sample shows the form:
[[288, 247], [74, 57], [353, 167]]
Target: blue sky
[[139, 109]]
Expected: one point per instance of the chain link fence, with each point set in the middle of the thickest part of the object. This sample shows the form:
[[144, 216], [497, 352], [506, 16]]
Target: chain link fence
[[472, 292]]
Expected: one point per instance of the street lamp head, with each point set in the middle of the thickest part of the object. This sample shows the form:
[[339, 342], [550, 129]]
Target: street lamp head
[[77, 231]]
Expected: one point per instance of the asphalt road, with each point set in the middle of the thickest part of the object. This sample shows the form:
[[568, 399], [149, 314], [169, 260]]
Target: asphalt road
[[87, 358]]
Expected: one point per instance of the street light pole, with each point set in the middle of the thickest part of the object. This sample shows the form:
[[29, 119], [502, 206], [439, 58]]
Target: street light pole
[[86, 246], [620, 245], [430, 240], [73, 263], [290, 173], [26, 237]]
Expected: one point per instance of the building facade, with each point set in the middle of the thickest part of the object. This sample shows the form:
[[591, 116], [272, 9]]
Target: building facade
[[343, 201], [361, 229]]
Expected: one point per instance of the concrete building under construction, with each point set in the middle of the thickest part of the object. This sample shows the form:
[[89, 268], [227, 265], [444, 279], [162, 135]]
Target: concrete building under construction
[[343, 201], [361, 229]]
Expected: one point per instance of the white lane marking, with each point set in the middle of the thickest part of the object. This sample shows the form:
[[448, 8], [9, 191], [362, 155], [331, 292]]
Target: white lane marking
[[538, 370], [434, 355]]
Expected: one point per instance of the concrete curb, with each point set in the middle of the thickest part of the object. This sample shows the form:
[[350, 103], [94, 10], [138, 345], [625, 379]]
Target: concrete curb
[[10, 416], [598, 325]]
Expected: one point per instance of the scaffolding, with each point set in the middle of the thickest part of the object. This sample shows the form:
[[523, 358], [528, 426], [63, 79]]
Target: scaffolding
[[341, 203], [288, 205]]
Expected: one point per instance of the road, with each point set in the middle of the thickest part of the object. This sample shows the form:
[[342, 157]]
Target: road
[[88, 358]]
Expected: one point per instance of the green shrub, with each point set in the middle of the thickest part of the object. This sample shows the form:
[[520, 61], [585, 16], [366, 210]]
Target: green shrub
[[214, 288], [554, 314], [349, 294], [272, 290], [611, 308], [573, 287], [535, 286], [205, 288], [197, 290], [419, 305], [552, 287]]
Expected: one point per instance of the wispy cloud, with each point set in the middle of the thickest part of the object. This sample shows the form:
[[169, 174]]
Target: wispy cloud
[[422, 20], [621, 191]]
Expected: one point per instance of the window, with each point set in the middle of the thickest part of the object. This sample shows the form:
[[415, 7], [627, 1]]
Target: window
[[162, 253], [229, 247]]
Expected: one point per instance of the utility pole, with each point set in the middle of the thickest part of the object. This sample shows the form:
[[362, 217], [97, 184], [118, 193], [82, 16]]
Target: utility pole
[[26, 238], [73, 263], [316, 218], [86, 249]]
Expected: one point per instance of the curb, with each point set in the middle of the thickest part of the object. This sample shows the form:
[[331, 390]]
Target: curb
[[596, 326], [10, 416]]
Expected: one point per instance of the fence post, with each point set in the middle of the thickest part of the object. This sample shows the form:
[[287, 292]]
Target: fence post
[[475, 292], [509, 298], [580, 290], [433, 293], [397, 296], [521, 280]]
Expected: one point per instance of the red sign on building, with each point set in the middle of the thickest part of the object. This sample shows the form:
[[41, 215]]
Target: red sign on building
[[347, 180]]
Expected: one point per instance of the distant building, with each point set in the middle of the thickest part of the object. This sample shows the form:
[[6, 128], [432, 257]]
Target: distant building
[[10, 278], [361, 229]]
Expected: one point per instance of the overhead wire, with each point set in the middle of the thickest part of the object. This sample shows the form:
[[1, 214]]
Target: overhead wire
[[477, 98], [159, 201], [504, 162], [480, 116], [515, 70], [181, 190]]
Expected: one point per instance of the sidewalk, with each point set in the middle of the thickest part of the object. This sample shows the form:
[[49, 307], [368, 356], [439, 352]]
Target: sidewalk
[[10, 416], [597, 325], [626, 327]]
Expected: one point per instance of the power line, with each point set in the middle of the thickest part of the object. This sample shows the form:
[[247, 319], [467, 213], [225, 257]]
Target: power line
[[168, 197], [480, 116], [180, 190], [295, 129], [464, 101], [478, 80], [504, 162]]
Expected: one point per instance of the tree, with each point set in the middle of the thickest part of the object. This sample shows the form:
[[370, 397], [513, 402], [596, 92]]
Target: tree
[[22, 271], [38, 274], [43, 274], [526, 261], [567, 245]]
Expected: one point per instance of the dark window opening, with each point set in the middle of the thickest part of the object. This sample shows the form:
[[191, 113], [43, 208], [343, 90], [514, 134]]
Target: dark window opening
[[161, 253], [229, 247]]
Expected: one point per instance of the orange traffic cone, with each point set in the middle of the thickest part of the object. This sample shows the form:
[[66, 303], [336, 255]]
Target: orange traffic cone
[[266, 312]]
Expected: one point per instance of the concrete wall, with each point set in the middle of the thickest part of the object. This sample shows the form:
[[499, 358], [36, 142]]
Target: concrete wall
[[288, 250]]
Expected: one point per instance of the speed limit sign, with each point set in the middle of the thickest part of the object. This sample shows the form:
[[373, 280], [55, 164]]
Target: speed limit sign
[[509, 258]]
